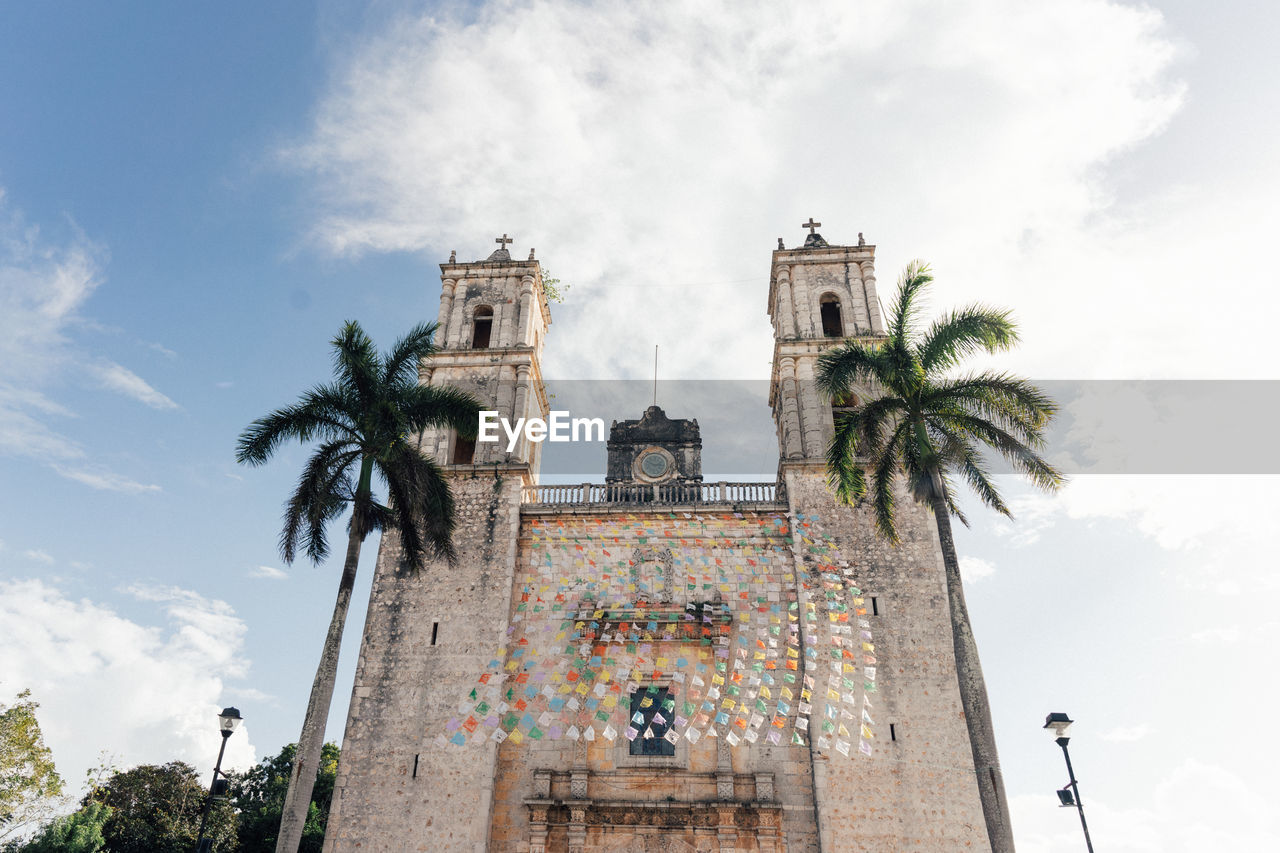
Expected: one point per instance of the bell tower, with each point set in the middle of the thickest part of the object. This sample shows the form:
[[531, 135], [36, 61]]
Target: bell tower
[[819, 295], [493, 319]]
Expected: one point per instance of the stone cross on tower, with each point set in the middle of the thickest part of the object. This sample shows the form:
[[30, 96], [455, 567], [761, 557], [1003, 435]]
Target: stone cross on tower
[[505, 239], [811, 225]]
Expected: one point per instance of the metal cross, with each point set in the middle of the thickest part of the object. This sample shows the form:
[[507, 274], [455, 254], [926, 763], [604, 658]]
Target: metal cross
[[811, 225], [505, 239]]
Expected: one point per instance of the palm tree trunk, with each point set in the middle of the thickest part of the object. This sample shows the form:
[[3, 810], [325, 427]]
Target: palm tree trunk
[[973, 689], [306, 762]]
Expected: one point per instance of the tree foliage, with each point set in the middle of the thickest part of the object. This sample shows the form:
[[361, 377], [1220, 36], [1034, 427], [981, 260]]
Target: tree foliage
[[155, 808], [28, 779], [258, 795], [79, 832], [365, 422], [925, 424]]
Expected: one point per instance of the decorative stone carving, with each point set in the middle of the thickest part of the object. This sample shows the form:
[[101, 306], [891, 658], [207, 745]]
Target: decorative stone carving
[[724, 786], [542, 784], [764, 787], [578, 784]]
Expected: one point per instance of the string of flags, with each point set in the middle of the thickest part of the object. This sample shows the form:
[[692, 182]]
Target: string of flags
[[745, 626]]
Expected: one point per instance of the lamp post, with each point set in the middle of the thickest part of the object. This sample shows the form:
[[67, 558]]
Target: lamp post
[[227, 722], [1070, 795]]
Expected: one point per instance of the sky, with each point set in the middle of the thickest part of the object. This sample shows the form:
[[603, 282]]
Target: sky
[[194, 199]]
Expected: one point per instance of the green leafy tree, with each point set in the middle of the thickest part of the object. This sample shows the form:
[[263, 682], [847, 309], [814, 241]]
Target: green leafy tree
[[29, 782], [155, 808], [78, 832], [924, 423], [363, 422], [258, 795]]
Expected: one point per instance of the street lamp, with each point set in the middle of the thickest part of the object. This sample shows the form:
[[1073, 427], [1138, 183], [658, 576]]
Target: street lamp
[[227, 722], [1070, 795]]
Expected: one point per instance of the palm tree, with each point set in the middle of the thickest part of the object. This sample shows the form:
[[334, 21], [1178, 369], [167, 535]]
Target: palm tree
[[363, 422], [928, 425]]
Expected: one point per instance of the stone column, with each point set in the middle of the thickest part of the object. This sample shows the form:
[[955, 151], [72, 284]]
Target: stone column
[[791, 446], [769, 830], [873, 303], [524, 337], [446, 310], [538, 827], [458, 320], [578, 826], [800, 299], [498, 331], [809, 402], [504, 402], [521, 409], [785, 317], [726, 828]]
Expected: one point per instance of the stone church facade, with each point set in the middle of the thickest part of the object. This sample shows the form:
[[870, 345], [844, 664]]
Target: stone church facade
[[656, 662]]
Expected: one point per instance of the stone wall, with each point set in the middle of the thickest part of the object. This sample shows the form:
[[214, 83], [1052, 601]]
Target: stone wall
[[628, 801], [918, 791], [395, 789]]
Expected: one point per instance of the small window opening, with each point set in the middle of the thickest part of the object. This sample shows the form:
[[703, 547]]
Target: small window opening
[[415, 765], [832, 327], [893, 732], [483, 327], [656, 707], [875, 606], [464, 450], [435, 632]]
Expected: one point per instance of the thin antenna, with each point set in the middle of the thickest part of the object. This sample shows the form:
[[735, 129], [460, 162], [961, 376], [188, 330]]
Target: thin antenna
[[655, 374]]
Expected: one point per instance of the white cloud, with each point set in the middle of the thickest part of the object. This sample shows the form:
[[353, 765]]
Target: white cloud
[[44, 285], [1127, 734], [146, 693], [1196, 807], [40, 556], [269, 572], [974, 569], [98, 477], [122, 380], [653, 153]]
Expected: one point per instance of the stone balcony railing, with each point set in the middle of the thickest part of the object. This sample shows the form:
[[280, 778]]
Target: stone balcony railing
[[640, 494]]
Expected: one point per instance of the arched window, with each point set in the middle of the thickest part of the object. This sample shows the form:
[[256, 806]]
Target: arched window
[[832, 327], [483, 327]]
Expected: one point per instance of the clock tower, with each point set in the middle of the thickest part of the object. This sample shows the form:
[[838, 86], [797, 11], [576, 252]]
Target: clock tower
[[655, 450]]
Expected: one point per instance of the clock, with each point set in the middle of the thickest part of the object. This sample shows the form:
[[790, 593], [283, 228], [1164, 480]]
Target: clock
[[654, 464]]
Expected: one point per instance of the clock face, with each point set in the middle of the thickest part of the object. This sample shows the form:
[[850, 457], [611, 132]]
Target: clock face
[[654, 464]]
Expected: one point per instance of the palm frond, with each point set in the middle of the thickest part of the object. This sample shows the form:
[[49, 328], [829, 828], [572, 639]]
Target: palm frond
[[405, 354], [963, 456], [1019, 455], [355, 360], [847, 364], [321, 414], [907, 305], [953, 506], [323, 490], [1009, 401], [428, 406], [843, 470], [964, 332], [885, 466]]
